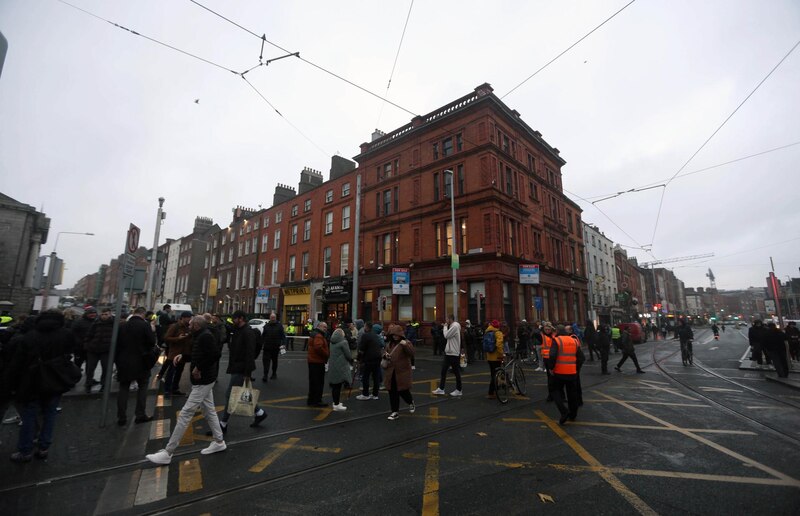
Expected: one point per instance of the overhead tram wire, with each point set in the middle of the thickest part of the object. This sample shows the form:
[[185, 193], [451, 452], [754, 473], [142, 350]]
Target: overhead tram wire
[[663, 192], [241, 74], [135, 33], [321, 68], [658, 183], [394, 65], [566, 50]]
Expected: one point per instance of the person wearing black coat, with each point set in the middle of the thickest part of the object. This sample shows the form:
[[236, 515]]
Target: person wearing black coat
[[775, 347], [628, 351], [97, 345], [205, 353], [80, 329], [136, 340], [603, 339], [273, 337], [757, 335], [48, 340], [370, 351]]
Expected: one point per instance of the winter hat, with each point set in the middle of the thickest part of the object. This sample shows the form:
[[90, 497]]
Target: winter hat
[[377, 328], [495, 323], [337, 336]]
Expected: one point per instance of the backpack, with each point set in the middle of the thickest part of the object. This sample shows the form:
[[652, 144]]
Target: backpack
[[489, 343]]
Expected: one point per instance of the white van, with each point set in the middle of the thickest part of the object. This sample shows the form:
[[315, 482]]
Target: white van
[[177, 308]]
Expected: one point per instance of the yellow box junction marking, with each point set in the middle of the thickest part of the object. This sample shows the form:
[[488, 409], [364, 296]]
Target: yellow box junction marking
[[604, 472], [430, 496], [281, 448], [190, 476], [325, 413]]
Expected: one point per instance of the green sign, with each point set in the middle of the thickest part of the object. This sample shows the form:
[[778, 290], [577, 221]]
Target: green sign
[[454, 261]]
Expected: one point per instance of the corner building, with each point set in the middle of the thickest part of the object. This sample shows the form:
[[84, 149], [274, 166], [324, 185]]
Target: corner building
[[509, 210]]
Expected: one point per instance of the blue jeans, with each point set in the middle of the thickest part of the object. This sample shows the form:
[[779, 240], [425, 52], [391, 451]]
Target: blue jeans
[[29, 412]]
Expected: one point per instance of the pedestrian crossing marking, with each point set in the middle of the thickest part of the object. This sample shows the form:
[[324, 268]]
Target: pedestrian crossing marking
[[190, 476], [159, 428], [273, 455], [152, 485], [430, 496]]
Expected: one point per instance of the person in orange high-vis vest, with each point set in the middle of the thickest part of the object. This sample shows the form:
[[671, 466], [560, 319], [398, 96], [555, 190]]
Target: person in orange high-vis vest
[[564, 356], [548, 341]]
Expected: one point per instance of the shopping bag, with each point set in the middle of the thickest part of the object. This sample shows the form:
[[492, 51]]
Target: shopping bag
[[243, 400], [463, 361]]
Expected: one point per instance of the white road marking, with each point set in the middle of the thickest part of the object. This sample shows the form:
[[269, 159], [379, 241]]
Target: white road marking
[[152, 485]]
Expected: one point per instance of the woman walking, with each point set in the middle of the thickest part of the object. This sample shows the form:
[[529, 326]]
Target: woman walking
[[396, 363], [339, 367]]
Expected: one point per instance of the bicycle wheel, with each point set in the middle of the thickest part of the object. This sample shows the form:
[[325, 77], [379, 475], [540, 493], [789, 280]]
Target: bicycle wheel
[[519, 380], [501, 386]]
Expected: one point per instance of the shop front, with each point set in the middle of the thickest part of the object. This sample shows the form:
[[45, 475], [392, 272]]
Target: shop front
[[336, 298], [296, 304]]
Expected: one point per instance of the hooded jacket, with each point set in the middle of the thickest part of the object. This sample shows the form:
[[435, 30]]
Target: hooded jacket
[[340, 359]]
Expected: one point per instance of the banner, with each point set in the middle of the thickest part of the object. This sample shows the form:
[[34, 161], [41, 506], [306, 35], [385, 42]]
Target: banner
[[529, 274], [212, 288]]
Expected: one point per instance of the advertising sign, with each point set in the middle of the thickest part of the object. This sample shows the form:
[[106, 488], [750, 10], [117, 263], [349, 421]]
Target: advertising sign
[[262, 295], [400, 282], [529, 274]]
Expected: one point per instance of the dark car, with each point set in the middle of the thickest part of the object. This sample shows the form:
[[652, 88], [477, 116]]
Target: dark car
[[638, 335]]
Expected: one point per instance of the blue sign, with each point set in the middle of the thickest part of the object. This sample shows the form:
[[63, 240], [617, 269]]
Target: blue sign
[[262, 295], [538, 303], [529, 274], [400, 281]]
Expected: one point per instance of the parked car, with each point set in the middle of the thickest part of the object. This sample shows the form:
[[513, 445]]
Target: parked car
[[638, 335], [258, 324]]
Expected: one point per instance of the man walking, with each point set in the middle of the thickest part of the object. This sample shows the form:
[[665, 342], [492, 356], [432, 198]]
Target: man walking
[[241, 364], [273, 337], [452, 354], [98, 343], [205, 355], [136, 339], [590, 337], [603, 347], [563, 362], [179, 340], [628, 350]]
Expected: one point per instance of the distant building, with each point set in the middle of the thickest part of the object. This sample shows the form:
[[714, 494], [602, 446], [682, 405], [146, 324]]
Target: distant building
[[601, 271], [23, 230]]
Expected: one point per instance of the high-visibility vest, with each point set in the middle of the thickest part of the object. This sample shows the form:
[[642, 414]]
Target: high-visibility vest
[[566, 361], [615, 334], [547, 342]]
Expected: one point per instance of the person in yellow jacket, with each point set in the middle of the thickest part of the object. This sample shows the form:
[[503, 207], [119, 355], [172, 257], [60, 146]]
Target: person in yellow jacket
[[564, 359], [494, 358], [615, 336], [291, 331]]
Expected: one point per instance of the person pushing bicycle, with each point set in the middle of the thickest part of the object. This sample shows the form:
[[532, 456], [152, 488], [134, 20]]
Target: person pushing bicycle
[[686, 335]]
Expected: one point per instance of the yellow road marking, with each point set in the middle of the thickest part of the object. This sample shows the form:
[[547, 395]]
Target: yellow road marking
[[306, 448], [434, 414], [273, 455], [290, 407], [521, 420], [430, 496], [632, 427], [188, 435], [281, 400], [663, 403], [637, 503], [434, 386], [322, 415], [190, 477], [718, 447]]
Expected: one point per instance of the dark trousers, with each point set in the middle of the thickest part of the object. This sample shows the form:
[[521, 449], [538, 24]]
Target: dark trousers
[[778, 357], [450, 362], [592, 349], [270, 355], [568, 383], [316, 382], [632, 356], [336, 392], [493, 365], [615, 342], [172, 381], [91, 365], [603, 352], [141, 397], [370, 370], [395, 395], [29, 412]]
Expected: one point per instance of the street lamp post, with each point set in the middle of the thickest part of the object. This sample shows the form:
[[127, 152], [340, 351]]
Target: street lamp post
[[453, 251], [52, 266], [154, 255]]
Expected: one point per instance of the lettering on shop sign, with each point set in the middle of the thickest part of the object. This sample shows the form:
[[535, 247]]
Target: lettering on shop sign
[[295, 291]]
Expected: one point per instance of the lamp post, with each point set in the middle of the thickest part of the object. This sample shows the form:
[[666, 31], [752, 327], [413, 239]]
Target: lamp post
[[453, 252], [154, 255], [52, 266]]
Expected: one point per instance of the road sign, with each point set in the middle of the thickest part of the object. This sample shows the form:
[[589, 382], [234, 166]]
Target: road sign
[[538, 303], [128, 265], [133, 239]]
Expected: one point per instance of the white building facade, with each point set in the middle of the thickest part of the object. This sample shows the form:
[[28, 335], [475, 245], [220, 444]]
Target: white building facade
[[601, 272]]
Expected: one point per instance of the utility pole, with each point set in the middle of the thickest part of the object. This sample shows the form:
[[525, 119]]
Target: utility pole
[[356, 266], [154, 256], [453, 250]]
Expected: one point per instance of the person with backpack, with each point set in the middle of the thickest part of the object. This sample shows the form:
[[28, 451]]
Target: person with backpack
[[492, 346]]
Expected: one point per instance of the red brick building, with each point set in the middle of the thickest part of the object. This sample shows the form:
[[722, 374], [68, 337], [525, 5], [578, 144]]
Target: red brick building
[[508, 205]]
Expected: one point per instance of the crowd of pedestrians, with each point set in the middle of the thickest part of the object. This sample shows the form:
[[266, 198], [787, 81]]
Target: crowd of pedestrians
[[41, 359]]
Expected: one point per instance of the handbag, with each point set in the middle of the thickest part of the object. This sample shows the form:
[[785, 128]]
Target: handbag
[[55, 376], [243, 400], [150, 358], [386, 362]]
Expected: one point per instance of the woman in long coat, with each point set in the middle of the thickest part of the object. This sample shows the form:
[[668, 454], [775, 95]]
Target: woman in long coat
[[339, 367], [398, 376]]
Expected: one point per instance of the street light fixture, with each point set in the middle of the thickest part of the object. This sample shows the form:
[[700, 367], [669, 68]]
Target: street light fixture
[[453, 253], [52, 266]]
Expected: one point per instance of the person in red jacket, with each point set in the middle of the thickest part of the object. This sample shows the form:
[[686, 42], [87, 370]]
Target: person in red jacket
[[318, 353]]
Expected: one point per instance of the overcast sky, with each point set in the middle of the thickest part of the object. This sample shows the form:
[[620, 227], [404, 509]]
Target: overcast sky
[[97, 123]]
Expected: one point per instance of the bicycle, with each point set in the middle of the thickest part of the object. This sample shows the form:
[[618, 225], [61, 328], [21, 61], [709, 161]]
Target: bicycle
[[686, 353], [509, 374]]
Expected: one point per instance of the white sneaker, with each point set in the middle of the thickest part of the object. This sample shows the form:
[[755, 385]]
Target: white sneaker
[[361, 397], [393, 416], [375, 397], [456, 393], [412, 407], [438, 392], [413, 368], [339, 408], [134, 387], [214, 447], [161, 457], [538, 369]]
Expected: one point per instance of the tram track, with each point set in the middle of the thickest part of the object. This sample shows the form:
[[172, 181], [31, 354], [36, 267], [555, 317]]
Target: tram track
[[716, 402]]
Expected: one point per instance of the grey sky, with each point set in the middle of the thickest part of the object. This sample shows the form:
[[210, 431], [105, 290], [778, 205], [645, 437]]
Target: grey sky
[[96, 123]]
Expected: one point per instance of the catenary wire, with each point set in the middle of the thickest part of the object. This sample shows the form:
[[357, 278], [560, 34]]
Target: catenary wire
[[663, 192], [150, 39], [394, 65], [321, 68], [656, 183], [567, 49]]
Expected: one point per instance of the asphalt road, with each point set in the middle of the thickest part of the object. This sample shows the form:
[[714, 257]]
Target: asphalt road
[[706, 439]]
